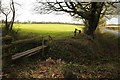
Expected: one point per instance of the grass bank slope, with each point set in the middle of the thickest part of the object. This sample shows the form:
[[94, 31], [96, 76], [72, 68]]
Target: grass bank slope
[[84, 57]]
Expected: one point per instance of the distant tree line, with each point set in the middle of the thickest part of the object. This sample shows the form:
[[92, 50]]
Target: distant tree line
[[32, 22]]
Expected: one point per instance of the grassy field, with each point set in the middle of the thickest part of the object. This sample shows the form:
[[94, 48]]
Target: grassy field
[[55, 30]]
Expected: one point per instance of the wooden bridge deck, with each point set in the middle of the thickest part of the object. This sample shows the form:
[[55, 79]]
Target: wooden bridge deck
[[28, 52]]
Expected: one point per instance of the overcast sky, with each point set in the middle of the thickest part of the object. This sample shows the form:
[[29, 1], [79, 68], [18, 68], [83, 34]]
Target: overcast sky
[[26, 13]]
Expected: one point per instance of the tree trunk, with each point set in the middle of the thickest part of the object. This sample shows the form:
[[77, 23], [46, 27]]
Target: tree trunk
[[92, 21], [6, 24], [13, 17], [95, 15]]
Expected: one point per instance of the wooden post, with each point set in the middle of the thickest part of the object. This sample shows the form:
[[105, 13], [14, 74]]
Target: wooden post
[[7, 59], [50, 39], [79, 31], [6, 54], [75, 32], [42, 47]]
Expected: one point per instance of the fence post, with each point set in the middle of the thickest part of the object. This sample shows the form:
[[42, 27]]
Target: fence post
[[50, 39], [42, 46], [6, 58]]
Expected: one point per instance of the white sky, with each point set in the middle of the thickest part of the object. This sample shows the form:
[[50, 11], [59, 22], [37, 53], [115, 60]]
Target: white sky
[[26, 13]]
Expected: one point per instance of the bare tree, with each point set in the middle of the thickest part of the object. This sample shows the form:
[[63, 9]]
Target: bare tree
[[0, 7], [90, 12], [6, 10]]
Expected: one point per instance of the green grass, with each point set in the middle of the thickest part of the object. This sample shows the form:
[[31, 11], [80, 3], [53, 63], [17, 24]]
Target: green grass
[[56, 30]]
